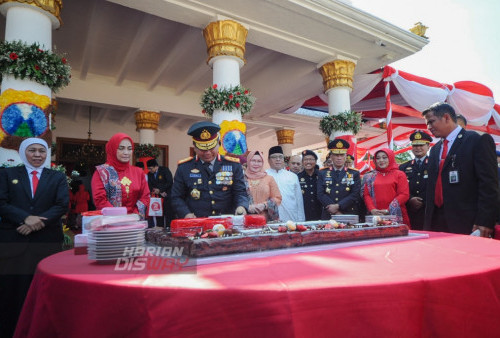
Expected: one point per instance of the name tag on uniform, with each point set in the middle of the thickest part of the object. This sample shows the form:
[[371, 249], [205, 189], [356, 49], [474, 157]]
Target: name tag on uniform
[[454, 176], [194, 175]]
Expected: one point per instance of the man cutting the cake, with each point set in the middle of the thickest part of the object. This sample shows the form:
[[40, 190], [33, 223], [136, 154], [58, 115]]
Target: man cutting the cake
[[208, 184]]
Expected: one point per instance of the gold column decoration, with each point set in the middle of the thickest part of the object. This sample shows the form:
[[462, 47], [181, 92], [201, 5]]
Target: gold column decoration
[[419, 29], [52, 6], [225, 38], [145, 119], [337, 73], [285, 136]]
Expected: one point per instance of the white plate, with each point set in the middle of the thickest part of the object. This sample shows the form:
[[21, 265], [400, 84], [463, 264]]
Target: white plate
[[116, 252], [115, 245], [115, 233], [115, 242], [113, 238], [110, 254]]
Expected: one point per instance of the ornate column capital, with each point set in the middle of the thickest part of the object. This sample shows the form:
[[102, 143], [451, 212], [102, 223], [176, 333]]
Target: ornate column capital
[[285, 136], [225, 37], [419, 29], [338, 73], [146, 119], [52, 6]]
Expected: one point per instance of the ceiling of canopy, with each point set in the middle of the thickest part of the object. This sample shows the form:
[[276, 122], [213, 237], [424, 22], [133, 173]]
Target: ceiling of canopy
[[150, 54]]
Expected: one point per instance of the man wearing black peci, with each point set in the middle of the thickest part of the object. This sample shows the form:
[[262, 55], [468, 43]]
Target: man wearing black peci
[[308, 180]]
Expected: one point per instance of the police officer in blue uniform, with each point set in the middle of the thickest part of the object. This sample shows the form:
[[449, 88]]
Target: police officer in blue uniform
[[416, 173], [208, 184], [338, 186], [308, 179]]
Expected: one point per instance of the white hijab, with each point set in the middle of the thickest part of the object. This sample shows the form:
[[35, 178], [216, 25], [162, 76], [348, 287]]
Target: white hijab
[[22, 152]]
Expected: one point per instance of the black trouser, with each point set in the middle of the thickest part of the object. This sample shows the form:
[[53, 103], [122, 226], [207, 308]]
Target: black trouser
[[439, 220]]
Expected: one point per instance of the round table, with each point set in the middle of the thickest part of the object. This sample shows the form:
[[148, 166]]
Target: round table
[[443, 286]]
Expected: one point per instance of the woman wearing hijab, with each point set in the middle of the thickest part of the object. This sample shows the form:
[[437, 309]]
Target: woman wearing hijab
[[33, 199], [117, 183], [263, 191], [386, 188]]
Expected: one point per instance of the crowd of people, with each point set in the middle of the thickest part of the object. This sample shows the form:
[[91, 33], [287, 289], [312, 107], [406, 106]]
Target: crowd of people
[[453, 188]]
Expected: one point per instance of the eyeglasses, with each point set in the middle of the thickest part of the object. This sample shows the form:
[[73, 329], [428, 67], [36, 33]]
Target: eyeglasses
[[277, 157]]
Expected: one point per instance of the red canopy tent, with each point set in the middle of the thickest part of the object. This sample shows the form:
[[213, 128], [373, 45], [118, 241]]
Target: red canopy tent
[[397, 99]]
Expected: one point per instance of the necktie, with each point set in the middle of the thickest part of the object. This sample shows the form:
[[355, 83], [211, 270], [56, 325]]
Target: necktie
[[419, 163], [438, 193], [35, 181], [206, 165]]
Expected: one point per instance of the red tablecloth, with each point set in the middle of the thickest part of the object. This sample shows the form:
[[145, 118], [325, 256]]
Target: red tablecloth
[[443, 286]]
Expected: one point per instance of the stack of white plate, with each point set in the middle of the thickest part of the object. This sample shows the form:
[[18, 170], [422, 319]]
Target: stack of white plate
[[113, 242]]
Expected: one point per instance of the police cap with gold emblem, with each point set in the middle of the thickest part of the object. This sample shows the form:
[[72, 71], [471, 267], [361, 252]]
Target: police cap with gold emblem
[[338, 146], [205, 134], [419, 137]]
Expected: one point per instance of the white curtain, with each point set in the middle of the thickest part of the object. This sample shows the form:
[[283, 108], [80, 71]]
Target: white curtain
[[418, 96], [363, 84], [476, 108]]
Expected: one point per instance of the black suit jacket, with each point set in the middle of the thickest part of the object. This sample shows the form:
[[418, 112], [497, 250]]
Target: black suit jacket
[[205, 194], [473, 200], [163, 180], [51, 201]]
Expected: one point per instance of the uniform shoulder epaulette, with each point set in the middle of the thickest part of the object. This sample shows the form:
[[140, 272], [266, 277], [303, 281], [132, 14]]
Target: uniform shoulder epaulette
[[232, 159], [324, 168], [355, 169], [187, 159]]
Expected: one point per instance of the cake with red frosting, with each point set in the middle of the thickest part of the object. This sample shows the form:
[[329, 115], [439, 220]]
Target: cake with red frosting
[[211, 237]]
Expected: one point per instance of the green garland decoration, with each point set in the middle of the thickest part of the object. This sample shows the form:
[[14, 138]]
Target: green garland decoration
[[228, 99], [345, 121], [30, 62], [146, 150]]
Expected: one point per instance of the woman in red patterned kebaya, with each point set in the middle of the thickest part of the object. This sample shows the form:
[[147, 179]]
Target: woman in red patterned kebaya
[[385, 190], [117, 183]]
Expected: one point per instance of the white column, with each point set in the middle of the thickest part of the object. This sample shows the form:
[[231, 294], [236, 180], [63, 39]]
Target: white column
[[226, 74], [338, 100], [146, 136], [28, 24], [337, 83], [225, 41], [226, 70], [285, 140], [146, 122]]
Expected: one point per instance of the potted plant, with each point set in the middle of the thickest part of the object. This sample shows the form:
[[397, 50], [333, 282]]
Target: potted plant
[[348, 121], [228, 99], [24, 61]]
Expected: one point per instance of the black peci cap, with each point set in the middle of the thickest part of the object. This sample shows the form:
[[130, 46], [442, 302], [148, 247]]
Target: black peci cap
[[275, 150], [309, 152]]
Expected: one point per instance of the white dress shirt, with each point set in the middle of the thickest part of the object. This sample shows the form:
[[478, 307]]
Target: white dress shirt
[[38, 174], [451, 138], [292, 206]]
